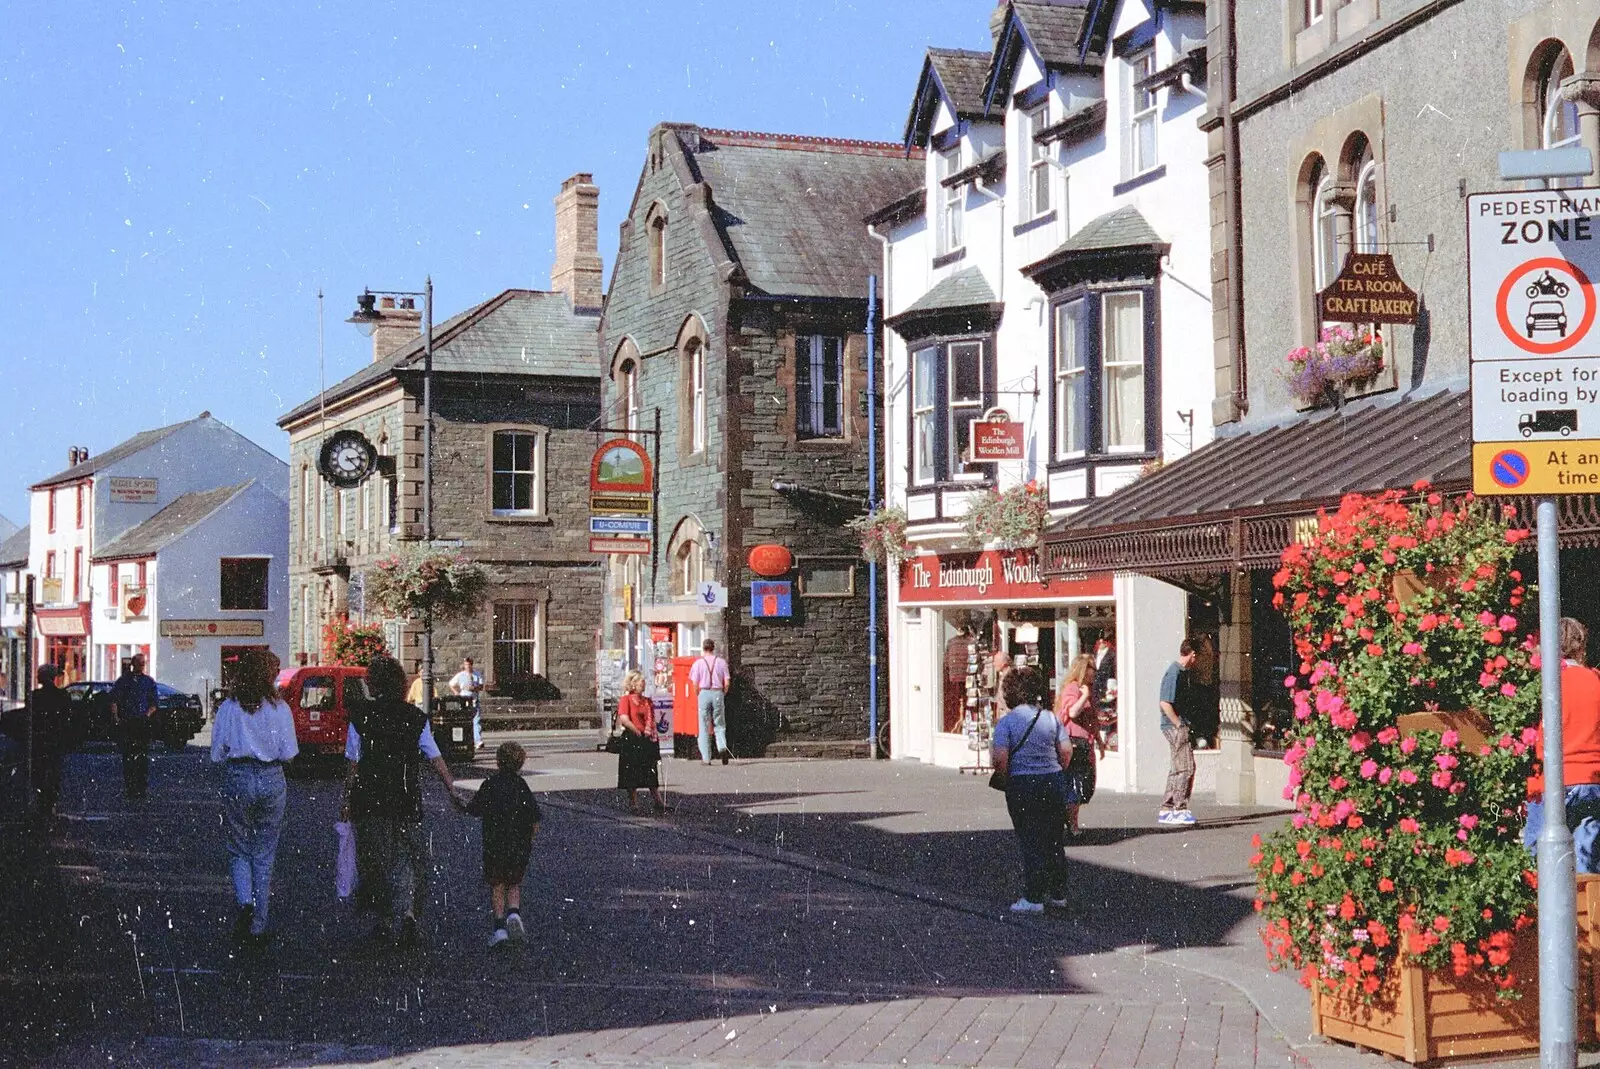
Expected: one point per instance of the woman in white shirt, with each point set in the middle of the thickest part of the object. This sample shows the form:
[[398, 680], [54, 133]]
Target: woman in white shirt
[[253, 739]]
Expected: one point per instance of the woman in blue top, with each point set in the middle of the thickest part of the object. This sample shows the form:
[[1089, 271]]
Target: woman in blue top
[[253, 739], [1032, 749]]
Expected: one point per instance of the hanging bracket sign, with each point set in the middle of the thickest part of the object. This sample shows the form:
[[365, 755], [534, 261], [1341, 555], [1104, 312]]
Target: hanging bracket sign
[[997, 437], [1368, 290], [621, 466]]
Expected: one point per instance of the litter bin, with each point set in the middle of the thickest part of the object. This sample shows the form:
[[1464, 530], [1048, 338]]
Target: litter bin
[[452, 727]]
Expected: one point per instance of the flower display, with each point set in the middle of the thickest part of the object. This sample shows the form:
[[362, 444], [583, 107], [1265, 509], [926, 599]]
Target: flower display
[[883, 535], [1009, 519], [1403, 844], [351, 644], [417, 581], [1342, 357]]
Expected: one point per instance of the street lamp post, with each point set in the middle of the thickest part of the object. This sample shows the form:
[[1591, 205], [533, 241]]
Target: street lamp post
[[366, 319]]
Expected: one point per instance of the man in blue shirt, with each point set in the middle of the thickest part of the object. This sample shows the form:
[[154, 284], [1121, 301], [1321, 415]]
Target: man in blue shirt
[[133, 701], [1175, 726]]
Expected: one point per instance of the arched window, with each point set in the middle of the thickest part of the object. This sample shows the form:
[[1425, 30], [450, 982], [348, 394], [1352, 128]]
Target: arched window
[[1326, 258], [628, 393], [694, 360], [686, 558], [655, 226], [1560, 116], [1366, 221]]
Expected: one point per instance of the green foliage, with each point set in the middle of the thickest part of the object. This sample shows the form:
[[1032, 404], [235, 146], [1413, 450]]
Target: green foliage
[[351, 644], [415, 581], [883, 535], [1012, 519]]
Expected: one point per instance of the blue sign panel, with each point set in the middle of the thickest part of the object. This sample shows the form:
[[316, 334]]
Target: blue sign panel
[[616, 525], [771, 600]]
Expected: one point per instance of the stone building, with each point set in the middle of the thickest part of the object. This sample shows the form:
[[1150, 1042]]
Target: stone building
[[735, 318], [1334, 129], [515, 393]]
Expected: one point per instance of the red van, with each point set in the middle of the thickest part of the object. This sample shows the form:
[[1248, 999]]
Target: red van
[[320, 697]]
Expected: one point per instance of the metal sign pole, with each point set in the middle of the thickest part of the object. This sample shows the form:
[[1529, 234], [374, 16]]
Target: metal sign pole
[[1558, 893], [27, 689]]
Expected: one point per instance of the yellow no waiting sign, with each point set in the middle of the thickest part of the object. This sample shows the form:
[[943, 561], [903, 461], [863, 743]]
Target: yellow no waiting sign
[[1536, 469]]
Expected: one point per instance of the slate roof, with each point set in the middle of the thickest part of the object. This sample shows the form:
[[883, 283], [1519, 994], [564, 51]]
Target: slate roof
[[1362, 448], [962, 72], [517, 332], [790, 208], [177, 519], [14, 550], [122, 450], [1054, 28], [964, 289], [1124, 228]]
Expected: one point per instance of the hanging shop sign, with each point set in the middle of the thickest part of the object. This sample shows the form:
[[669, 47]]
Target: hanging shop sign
[[990, 577], [1532, 258], [621, 466], [621, 504], [604, 544], [619, 525], [771, 600], [1368, 290], [212, 629], [997, 437], [770, 560], [131, 491]]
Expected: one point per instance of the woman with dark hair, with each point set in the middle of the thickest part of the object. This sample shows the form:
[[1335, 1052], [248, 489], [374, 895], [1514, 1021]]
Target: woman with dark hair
[[52, 736], [386, 743], [253, 739], [1030, 751]]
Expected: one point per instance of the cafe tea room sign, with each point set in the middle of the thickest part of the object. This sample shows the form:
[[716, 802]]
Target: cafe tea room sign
[[1368, 290]]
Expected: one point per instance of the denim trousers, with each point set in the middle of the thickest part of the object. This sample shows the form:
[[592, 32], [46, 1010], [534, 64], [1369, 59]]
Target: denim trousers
[[391, 866], [253, 800], [1036, 804], [1583, 818], [713, 714]]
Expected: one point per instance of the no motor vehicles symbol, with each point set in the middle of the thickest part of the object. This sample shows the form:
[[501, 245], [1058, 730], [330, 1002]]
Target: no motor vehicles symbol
[[1545, 305], [1509, 469]]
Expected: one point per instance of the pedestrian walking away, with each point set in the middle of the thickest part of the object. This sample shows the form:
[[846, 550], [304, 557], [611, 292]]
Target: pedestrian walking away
[[385, 744], [1076, 712], [133, 700], [52, 729], [639, 760], [1175, 726], [253, 740], [468, 683], [1580, 751], [1031, 751], [710, 675], [510, 816]]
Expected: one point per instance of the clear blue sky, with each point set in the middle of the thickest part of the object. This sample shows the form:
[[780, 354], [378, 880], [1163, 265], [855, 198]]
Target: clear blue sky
[[179, 179]]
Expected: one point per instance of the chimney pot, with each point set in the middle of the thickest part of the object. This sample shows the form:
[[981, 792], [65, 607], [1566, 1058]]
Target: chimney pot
[[577, 271], [387, 302]]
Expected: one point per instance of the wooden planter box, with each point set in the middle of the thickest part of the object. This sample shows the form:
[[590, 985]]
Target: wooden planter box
[[1472, 726], [1422, 1016]]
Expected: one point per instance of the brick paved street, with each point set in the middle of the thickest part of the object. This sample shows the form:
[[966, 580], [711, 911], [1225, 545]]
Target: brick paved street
[[794, 913]]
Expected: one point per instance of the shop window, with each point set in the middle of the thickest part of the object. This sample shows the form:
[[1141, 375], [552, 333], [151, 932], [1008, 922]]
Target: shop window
[[1105, 360], [827, 578], [518, 476], [517, 654], [1038, 156], [819, 387], [1139, 104], [245, 583], [952, 202]]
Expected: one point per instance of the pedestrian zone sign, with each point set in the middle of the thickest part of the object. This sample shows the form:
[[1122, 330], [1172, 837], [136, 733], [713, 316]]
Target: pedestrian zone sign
[[1533, 261]]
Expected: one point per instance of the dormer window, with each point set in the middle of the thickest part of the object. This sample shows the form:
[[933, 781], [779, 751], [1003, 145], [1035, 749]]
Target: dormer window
[[952, 199], [1139, 127], [1038, 156]]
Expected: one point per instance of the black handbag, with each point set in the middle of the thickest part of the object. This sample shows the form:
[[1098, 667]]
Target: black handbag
[[614, 742], [999, 780]]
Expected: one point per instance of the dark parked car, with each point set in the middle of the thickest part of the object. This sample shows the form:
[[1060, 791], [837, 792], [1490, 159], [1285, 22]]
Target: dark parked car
[[177, 719]]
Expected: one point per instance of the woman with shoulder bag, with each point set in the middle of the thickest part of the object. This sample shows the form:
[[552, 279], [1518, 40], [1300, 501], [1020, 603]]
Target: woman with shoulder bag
[[1076, 711], [638, 747], [1030, 752]]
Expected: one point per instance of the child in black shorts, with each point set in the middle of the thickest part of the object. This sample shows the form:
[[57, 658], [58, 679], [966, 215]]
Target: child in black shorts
[[510, 817]]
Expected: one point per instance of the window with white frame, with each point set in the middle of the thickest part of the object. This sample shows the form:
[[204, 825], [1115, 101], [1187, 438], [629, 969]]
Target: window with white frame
[[819, 386], [1139, 102], [924, 390], [952, 201], [1325, 234], [964, 376], [697, 397], [628, 391], [516, 641], [1040, 171], [1312, 11], [688, 568], [1559, 125], [518, 477], [1123, 352], [1366, 219], [1071, 380], [952, 386]]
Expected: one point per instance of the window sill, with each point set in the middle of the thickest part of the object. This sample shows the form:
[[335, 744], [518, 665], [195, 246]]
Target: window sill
[[822, 444], [949, 258], [1034, 224], [1139, 180], [514, 517]]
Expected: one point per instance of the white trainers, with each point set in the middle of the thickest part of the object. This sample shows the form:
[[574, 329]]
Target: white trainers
[[498, 937], [1059, 903], [1165, 816], [519, 934], [1022, 905], [1183, 816]]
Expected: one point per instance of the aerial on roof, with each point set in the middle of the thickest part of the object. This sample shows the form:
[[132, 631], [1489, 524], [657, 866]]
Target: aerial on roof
[[137, 444], [517, 332], [789, 208], [183, 515], [14, 550]]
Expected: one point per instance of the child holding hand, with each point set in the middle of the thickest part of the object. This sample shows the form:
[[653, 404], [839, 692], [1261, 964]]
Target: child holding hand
[[510, 815]]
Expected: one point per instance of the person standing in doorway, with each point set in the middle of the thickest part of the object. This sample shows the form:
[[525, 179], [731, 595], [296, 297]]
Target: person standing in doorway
[[1175, 726], [468, 683], [52, 737], [133, 700], [710, 675], [253, 740]]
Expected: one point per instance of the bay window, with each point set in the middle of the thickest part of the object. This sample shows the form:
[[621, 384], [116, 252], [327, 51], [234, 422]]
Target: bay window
[[924, 383], [1104, 356], [964, 379], [952, 386], [1072, 380], [1122, 385]]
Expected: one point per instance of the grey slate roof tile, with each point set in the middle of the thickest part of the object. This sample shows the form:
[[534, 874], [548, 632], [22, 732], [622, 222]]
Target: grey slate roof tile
[[1056, 30], [122, 450], [1120, 229], [14, 550], [964, 289], [517, 332], [183, 515], [962, 72]]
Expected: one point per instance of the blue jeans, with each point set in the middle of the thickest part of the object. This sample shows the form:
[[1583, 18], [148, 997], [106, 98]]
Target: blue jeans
[[477, 727], [713, 715], [253, 800], [1583, 818], [1037, 804]]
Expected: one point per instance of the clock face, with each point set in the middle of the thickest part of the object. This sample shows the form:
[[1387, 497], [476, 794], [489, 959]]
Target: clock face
[[347, 459]]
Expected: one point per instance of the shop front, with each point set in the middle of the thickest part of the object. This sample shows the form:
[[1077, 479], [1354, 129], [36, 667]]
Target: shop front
[[64, 641]]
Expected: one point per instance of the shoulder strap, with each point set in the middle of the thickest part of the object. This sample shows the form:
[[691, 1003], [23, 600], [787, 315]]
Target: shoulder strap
[[1031, 726]]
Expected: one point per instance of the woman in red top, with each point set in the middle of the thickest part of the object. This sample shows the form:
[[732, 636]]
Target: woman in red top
[[641, 750], [1075, 709], [1580, 753]]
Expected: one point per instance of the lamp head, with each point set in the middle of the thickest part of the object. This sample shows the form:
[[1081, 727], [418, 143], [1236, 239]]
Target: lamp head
[[366, 317]]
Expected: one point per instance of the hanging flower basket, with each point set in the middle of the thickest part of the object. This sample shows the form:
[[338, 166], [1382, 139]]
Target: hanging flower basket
[[1343, 358], [418, 581], [883, 535], [351, 644], [1009, 519]]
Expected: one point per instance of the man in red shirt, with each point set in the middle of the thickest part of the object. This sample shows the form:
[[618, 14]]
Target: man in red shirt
[[1580, 752]]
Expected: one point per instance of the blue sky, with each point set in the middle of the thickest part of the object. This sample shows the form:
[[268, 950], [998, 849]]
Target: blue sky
[[179, 179]]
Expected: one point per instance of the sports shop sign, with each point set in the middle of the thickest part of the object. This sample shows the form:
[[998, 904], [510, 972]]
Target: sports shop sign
[[990, 576]]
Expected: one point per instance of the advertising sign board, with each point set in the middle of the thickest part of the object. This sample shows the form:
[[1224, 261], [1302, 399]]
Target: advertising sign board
[[602, 544], [130, 491], [212, 629]]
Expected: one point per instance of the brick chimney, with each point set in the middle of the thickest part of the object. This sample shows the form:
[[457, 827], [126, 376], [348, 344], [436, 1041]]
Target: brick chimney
[[577, 270], [401, 322]]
